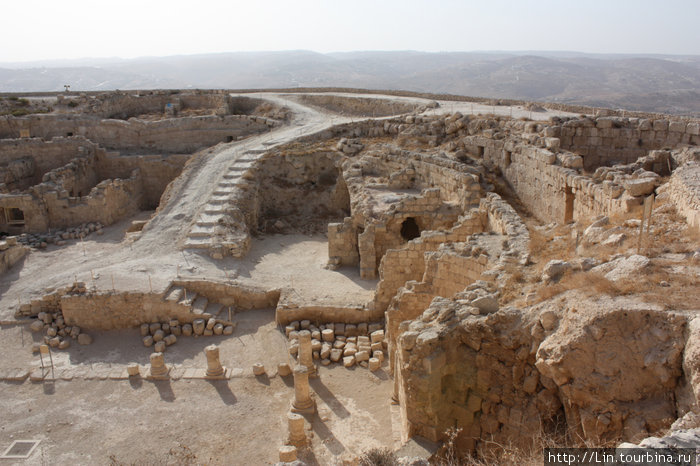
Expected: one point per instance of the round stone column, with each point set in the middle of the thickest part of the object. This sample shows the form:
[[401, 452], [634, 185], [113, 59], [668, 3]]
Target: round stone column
[[306, 357], [214, 367], [303, 403], [158, 367]]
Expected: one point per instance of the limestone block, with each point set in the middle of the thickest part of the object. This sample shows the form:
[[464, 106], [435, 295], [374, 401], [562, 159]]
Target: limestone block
[[377, 336], [349, 361], [211, 323], [486, 304], [154, 327], [362, 356], [293, 335], [340, 344], [693, 129], [84, 339], [198, 326], [37, 326], [145, 330], [362, 328], [554, 270], [159, 347], [228, 330], [295, 324], [170, 340], [64, 344], [640, 186], [288, 329], [218, 329], [350, 330], [677, 126], [325, 351], [373, 328], [339, 329], [158, 336], [208, 332], [148, 341], [363, 340], [315, 334], [305, 324], [176, 330], [325, 362], [350, 350], [187, 330], [336, 354], [376, 347], [374, 364]]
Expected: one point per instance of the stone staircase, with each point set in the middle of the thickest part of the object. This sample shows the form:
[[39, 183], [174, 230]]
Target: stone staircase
[[210, 230]]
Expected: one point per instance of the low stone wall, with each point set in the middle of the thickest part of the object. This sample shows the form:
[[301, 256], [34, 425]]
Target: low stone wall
[[289, 310], [11, 253], [109, 311], [228, 294]]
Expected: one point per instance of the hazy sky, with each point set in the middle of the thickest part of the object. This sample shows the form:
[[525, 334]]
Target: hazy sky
[[51, 29]]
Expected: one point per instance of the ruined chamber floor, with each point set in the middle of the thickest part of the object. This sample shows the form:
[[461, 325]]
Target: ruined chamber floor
[[240, 421]]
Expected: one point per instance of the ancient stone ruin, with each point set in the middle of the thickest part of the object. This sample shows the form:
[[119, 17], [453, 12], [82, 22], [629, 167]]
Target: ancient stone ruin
[[471, 273]]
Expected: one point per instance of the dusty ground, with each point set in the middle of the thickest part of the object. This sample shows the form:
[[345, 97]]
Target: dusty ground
[[240, 421]]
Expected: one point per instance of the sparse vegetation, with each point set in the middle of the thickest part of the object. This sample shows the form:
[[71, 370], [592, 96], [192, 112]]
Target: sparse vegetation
[[378, 457]]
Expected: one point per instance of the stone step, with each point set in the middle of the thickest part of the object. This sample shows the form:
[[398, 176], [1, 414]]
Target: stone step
[[238, 168], [229, 176], [198, 243], [227, 185], [208, 219], [214, 209], [201, 231], [214, 308], [175, 294], [200, 305], [219, 199]]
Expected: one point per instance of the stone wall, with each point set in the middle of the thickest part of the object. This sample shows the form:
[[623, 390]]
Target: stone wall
[[604, 372], [610, 140], [174, 135], [109, 311], [11, 253], [234, 295], [44, 155], [684, 191]]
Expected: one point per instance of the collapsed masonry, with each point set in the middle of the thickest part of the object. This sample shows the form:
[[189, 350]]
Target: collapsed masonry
[[412, 201]]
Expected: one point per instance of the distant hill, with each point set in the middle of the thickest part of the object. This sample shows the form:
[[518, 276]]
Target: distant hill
[[660, 83]]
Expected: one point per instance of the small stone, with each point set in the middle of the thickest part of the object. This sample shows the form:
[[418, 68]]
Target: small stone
[[362, 356], [325, 362], [65, 344], [258, 369], [218, 329], [145, 330], [37, 326], [158, 336], [379, 355], [295, 324], [294, 348], [176, 330], [288, 329], [228, 330], [159, 347], [315, 334], [293, 335], [350, 330], [374, 364], [154, 327], [170, 340], [284, 370], [84, 339], [373, 328], [198, 326], [315, 345], [54, 342], [148, 341], [165, 328], [211, 323], [51, 331], [339, 329], [305, 324], [349, 361], [187, 330], [208, 333], [336, 354]]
